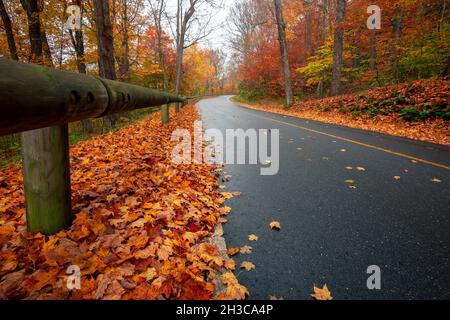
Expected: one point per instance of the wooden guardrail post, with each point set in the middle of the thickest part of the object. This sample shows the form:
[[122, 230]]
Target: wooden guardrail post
[[46, 174], [165, 118]]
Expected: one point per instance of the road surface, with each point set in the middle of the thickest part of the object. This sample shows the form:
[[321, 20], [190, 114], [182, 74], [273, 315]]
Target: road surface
[[332, 233]]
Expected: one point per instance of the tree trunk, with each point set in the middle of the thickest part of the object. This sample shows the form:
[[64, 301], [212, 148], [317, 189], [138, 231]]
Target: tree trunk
[[45, 155], [105, 44], [397, 31], [78, 44], [46, 49], [34, 29], [308, 32], [338, 48], [125, 61], [373, 50], [157, 11], [284, 53], [179, 65], [105, 40], [325, 20], [446, 72], [9, 31]]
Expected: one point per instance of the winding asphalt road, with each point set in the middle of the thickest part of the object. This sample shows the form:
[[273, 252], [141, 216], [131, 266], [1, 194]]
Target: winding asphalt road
[[332, 233]]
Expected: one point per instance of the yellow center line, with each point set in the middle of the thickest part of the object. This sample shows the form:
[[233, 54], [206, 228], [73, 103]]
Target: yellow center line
[[355, 142]]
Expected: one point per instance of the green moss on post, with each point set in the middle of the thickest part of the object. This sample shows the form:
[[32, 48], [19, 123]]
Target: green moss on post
[[165, 114], [177, 107], [46, 171]]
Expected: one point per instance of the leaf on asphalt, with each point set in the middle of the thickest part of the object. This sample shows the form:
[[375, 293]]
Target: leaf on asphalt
[[275, 225], [248, 266], [360, 169], [436, 180], [226, 210], [322, 294], [397, 178], [349, 168], [246, 250], [343, 150], [230, 264], [234, 290], [253, 237], [350, 181], [233, 251], [274, 298]]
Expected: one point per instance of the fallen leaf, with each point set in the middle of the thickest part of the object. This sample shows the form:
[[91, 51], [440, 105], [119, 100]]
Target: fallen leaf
[[234, 290], [150, 274], [322, 294], [103, 283], [275, 225], [246, 250], [253, 237], [436, 180], [139, 223], [230, 264], [397, 178], [248, 266], [233, 251]]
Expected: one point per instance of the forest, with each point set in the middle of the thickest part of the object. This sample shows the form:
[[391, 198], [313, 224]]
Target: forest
[[412, 43], [329, 46]]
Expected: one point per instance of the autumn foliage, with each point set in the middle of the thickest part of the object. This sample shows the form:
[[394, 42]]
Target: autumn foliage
[[413, 43], [143, 225], [417, 110]]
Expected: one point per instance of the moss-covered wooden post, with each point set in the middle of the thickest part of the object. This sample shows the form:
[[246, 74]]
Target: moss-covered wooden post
[[46, 171], [165, 118], [177, 107]]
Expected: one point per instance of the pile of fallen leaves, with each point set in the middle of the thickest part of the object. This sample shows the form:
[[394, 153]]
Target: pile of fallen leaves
[[417, 110], [143, 225]]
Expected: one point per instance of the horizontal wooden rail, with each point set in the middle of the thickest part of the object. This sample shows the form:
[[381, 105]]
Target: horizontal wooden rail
[[36, 97]]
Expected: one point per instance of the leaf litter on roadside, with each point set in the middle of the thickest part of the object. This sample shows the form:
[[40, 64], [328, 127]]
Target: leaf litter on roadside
[[142, 224]]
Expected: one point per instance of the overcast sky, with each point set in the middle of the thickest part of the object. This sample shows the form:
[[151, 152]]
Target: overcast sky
[[218, 39]]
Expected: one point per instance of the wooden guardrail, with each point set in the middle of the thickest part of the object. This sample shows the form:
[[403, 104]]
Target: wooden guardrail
[[35, 97]]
